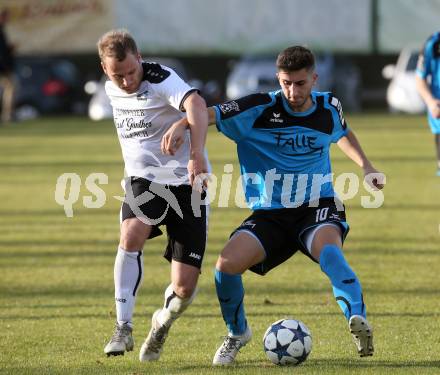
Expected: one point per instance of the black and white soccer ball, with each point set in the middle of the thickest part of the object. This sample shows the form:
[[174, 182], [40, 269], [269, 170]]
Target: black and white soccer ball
[[287, 342]]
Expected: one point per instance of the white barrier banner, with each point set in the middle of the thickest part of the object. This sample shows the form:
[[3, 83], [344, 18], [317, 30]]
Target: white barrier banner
[[407, 23], [252, 26]]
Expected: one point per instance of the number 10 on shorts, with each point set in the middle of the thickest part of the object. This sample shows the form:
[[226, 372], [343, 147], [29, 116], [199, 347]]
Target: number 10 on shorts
[[321, 214]]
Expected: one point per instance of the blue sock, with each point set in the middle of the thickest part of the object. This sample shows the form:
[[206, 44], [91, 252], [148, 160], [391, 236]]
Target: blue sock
[[346, 287], [230, 294]]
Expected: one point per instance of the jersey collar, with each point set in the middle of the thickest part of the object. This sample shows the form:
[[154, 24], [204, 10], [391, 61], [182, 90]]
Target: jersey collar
[[305, 113]]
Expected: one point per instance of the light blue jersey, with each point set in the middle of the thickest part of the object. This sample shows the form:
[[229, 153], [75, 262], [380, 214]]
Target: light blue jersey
[[283, 155], [428, 66]]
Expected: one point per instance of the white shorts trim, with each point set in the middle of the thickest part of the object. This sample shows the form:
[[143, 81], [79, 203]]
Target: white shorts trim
[[310, 235], [252, 235]]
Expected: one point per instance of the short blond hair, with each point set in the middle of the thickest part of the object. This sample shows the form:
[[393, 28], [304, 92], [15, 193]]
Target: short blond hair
[[116, 43]]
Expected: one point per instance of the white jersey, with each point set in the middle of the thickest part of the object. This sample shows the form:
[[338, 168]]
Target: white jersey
[[142, 118]]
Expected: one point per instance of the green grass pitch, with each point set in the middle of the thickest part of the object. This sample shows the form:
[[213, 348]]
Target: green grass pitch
[[56, 290]]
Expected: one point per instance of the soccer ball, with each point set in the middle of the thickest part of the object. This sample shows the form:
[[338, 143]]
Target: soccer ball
[[287, 342]]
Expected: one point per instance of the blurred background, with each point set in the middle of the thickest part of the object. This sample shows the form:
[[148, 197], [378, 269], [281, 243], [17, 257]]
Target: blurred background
[[366, 49], [56, 304]]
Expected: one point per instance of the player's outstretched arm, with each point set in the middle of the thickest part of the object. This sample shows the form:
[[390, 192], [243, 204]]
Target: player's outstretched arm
[[175, 135], [351, 147], [431, 102], [197, 115]]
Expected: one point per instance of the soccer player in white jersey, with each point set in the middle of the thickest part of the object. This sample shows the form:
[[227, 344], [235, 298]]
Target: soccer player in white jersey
[[147, 99]]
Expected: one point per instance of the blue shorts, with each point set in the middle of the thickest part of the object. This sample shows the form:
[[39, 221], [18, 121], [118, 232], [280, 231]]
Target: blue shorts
[[434, 123]]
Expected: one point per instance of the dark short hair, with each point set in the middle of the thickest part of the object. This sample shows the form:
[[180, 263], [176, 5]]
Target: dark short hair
[[116, 43], [295, 58]]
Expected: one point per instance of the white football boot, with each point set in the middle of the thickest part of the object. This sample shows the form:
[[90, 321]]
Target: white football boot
[[121, 341], [226, 353], [362, 333], [153, 345]]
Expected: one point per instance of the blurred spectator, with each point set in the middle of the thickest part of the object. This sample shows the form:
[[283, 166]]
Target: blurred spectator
[[7, 81], [428, 85]]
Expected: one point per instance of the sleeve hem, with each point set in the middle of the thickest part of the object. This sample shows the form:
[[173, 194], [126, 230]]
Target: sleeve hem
[[188, 93]]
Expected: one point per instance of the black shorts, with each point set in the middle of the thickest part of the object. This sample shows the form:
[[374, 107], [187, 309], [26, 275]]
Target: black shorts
[[280, 231], [171, 206]]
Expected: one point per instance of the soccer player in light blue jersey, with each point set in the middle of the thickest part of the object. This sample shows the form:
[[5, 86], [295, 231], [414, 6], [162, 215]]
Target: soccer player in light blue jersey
[[283, 140], [428, 85]]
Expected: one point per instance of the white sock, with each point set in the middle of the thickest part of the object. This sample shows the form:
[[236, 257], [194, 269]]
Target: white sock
[[128, 273], [173, 306]]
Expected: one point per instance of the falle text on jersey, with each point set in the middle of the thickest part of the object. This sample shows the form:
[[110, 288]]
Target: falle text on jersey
[[293, 144]]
